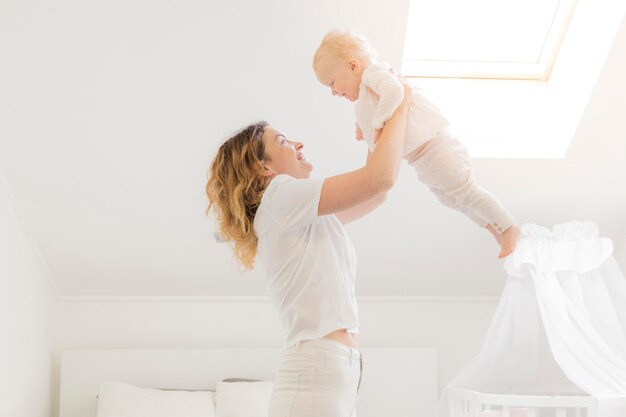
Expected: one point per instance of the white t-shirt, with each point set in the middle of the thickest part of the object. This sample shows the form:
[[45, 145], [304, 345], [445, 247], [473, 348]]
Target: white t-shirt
[[424, 120], [309, 260]]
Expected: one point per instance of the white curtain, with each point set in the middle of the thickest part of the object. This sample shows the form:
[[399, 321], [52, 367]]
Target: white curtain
[[560, 325]]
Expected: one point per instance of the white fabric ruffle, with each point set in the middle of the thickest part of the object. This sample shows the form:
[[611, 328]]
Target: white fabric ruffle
[[573, 246]]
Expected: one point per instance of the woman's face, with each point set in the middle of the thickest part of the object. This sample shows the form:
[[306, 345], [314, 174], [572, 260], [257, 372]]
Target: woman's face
[[284, 156]]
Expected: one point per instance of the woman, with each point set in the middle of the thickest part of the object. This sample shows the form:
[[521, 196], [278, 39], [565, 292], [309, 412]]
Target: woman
[[267, 205]]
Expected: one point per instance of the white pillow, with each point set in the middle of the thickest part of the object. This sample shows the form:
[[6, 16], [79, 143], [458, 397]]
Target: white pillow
[[243, 399], [118, 399]]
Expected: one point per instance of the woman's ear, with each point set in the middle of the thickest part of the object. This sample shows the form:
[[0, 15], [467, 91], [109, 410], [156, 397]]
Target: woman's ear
[[264, 170]]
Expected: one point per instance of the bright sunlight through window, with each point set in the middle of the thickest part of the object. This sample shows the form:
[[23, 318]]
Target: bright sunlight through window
[[508, 39]]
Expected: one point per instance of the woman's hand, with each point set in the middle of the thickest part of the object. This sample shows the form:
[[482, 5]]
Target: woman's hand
[[359, 133]]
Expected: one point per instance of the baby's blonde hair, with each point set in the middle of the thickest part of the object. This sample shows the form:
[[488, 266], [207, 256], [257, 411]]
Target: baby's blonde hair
[[344, 44]]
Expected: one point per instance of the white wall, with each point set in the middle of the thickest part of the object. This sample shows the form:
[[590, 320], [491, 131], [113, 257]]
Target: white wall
[[35, 327], [455, 327], [26, 299]]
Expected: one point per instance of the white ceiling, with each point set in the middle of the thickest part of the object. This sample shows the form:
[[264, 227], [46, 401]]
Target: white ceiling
[[112, 111]]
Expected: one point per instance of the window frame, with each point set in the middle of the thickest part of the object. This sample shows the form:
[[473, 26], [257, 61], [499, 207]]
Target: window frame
[[539, 70]]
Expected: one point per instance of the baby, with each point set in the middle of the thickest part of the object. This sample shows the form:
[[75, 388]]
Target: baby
[[347, 64]]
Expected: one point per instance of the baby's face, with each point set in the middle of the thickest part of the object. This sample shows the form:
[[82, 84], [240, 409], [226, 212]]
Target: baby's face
[[342, 76]]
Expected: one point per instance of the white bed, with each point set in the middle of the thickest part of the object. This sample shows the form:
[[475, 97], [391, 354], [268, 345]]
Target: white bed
[[400, 382]]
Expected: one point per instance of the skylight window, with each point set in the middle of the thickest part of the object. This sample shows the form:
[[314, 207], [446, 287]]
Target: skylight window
[[484, 38]]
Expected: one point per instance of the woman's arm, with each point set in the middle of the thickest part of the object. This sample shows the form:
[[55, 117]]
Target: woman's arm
[[356, 212], [379, 174]]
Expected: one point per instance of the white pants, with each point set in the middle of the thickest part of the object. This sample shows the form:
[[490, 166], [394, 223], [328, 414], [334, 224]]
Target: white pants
[[445, 167], [317, 378]]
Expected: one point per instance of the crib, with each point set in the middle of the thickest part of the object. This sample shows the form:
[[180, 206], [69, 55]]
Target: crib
[[556, 345], [468, 403]]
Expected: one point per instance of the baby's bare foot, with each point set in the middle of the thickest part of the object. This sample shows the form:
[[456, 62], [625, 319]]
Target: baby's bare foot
[[508, 240]]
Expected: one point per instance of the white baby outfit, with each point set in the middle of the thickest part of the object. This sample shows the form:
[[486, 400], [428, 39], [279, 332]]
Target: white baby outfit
[[444, 164]]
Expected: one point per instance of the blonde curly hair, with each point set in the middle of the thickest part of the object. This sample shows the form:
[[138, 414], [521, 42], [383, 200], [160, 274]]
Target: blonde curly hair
[[343, 43], [235, 188]]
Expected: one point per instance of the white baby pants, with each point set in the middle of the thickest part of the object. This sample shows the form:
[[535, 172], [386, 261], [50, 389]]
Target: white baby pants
[[317, 378], [445, 167]]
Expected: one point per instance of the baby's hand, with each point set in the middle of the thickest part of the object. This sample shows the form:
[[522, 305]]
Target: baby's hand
[[377, 134], [359, 133]]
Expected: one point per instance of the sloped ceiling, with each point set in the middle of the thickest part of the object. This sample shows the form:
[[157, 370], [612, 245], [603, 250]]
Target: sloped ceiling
[[112, 112]]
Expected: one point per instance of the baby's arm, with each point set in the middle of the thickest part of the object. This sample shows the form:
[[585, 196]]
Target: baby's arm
[[390, 92]]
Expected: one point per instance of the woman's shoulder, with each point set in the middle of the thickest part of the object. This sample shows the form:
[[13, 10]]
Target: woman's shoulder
[[289, 184], [286, 178], [290, 201]]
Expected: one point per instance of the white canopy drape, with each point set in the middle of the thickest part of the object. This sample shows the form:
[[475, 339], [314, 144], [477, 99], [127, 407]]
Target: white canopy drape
[[560, 325]]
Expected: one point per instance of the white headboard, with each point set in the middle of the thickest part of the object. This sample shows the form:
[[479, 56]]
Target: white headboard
[[399, 382]]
